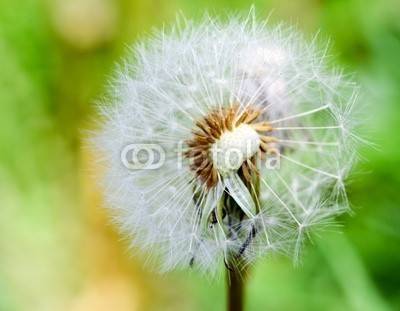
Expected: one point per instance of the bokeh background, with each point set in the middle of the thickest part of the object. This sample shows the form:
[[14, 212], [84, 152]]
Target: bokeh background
[[58, 250]]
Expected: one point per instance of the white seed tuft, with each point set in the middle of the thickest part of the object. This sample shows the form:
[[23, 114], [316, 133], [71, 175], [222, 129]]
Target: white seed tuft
[[296, 153]]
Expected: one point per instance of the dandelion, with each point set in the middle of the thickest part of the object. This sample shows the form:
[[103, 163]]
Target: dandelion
[[253, 135]]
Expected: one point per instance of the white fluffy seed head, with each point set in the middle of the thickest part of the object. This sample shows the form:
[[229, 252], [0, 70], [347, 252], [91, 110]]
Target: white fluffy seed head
[[173, 80], [234, 147]]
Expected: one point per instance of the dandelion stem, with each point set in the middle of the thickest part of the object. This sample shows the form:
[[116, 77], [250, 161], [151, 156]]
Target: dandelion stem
[[236, 272], [235, 290]]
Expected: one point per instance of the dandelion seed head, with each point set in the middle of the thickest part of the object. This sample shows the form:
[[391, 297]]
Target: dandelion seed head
[[198, 92]]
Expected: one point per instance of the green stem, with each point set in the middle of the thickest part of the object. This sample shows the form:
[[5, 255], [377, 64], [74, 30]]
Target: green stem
[[236, 273], [235, 290]]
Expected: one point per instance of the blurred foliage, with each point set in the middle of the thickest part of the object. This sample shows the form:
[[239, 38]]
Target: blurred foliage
[[57, 249]]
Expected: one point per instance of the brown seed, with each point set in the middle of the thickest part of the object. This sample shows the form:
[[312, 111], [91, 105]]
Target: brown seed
[[212, 178], [262, 126], [204, 127], [264, 146], [268, 139], [204, 173], [252, 116], [211, 122], [253, 167], [206, 162], [261, 155], [246, 172], [242, 117], [230, 118]]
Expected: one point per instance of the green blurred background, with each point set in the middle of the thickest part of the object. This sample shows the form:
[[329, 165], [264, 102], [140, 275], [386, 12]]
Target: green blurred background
[[58, 250]]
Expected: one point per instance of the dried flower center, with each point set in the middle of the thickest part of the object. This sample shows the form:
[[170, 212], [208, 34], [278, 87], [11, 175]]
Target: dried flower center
[[234, 147], [228, 140]]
